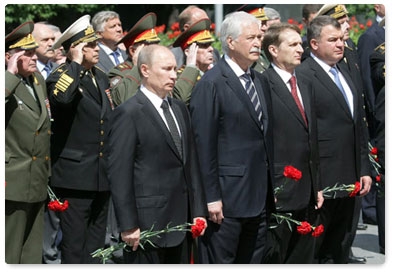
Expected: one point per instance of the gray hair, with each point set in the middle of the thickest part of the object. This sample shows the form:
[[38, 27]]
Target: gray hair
[[315, 28], [233, 26], [101, 18], [272, 13]]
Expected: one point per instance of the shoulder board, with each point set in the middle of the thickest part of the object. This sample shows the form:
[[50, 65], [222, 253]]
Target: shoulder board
[[124, 66], [380, 49], [60, 68], [98, 68]]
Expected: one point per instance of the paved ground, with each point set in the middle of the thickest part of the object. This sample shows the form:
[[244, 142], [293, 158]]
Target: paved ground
[[366, 245]]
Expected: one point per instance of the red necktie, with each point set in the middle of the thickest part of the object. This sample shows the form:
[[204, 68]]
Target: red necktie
[[294, 93]]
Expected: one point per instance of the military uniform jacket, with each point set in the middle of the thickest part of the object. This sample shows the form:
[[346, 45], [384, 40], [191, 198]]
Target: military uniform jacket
[[80, 112], [125, 80], [27, 139]]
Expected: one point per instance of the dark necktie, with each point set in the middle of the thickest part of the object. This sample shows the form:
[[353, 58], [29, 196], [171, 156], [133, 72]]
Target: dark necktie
[[294, 92], [115, 55], [335, 73], [250, 89], [172, 126]]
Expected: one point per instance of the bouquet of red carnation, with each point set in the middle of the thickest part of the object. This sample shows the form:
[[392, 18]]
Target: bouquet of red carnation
[[54, 203], [352, 189], [290, 173], [303, 227]]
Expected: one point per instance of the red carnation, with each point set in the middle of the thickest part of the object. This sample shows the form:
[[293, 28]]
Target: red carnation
[[318, 231], [374, 151], [198, 228], [58, 206], [357, 188], [292, 172], [304, 228], [378, 178]]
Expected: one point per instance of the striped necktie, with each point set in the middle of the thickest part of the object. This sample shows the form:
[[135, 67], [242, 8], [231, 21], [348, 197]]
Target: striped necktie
[[251, 91]]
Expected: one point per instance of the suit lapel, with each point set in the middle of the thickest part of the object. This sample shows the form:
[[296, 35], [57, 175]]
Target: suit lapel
[[330, 85], [44, 103], [23, 93], [284, 94], [237, 88]]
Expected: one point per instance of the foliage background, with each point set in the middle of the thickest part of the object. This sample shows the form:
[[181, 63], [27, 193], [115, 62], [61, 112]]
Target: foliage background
[[63, 15]]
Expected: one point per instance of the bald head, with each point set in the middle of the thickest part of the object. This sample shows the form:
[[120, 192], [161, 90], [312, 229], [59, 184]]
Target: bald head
[[191, 15]]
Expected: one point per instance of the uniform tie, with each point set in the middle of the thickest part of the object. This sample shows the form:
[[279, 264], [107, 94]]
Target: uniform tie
[[251, 91], [294, 92], [172, 126]]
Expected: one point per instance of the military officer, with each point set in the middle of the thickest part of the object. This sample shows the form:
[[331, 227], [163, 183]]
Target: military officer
[[80, 98], [196, 43], [125, 79], [27, 154]]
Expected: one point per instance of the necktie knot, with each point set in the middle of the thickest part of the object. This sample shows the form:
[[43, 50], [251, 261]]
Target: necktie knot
[[292, 81], [165, 105], [334, 71]]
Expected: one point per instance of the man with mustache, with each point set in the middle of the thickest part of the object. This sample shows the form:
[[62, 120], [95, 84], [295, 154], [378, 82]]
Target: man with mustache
[[80, 97], [234, 144]]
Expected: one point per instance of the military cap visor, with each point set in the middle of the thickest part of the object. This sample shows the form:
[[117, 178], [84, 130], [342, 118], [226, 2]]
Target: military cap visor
[[21, 37], [334, 10], [79, 32], [256, 10], [142, 31], [197, 33]]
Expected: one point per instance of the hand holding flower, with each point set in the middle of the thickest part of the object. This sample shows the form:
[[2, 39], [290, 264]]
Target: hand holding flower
[[366, 182], [131, 237]]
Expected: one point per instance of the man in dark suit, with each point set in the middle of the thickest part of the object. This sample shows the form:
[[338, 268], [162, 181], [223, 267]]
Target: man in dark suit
[[27, 148], [108, 26], [342, 135], [350, 62], [295, 134], [234, 145], [80, 99], [153, 166]]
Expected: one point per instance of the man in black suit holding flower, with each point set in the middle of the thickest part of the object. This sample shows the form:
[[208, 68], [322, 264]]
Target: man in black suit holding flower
[[296, 145], [153, 166]]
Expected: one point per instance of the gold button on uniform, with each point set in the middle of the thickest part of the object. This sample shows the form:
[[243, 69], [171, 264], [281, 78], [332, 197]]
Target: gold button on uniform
[[100, 154], [102, 132], [34, 158]]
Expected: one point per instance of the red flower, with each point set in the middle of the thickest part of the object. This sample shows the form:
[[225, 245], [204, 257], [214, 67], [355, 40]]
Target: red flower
[[197, 228], [304, 228], [369, 23], [175, 26], [318, 231], [292, 172], [160, 29], [58, 206], [374, 151], [378, 178], [357, 188]]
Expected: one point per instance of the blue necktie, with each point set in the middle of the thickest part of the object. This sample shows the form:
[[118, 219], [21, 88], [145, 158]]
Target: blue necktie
[[335, 73], [47, 69], [115, 55], [250, 89]]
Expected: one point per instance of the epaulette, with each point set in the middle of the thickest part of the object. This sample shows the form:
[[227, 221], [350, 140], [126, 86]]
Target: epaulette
[[124, 66], [380, 49], [60, 68], [180, 70], [64, 80]]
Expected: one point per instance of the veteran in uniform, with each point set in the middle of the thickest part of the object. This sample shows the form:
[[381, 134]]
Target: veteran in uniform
[[27, 144], [80, 98], [196, 43], [125, 78]]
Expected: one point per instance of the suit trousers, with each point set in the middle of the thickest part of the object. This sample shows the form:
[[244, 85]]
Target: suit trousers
[[83, 224], [168, 255], [285, 245], [236, 240], [336, 215], [24, 224]]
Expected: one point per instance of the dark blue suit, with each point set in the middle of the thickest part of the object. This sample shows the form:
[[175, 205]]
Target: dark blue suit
[[235, 158]]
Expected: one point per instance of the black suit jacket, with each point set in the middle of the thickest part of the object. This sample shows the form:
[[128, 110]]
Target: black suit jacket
[[235, 154], [295, 143], [81, 114], [342, 137], [150, 183]]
